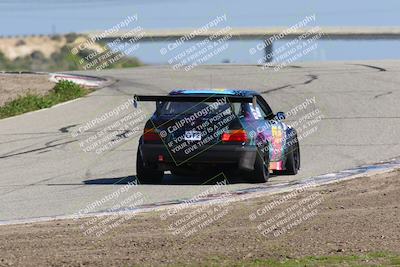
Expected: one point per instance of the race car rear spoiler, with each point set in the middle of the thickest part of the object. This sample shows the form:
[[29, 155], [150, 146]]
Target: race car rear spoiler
[[194, 98]]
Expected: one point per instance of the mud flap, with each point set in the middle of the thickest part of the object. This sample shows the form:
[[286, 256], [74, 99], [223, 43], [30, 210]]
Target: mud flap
[[247, 160]]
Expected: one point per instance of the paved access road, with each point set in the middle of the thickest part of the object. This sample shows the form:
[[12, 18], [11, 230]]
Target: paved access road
[[45, 172]]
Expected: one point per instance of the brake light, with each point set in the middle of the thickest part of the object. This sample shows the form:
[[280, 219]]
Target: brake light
[[235, 136], [150, 134]]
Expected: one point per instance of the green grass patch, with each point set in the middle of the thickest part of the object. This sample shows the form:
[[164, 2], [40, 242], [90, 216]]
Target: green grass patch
[[62, 91], [370, 259]]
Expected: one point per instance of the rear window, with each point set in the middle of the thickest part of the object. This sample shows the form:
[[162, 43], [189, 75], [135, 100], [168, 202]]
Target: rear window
[[187, 108]]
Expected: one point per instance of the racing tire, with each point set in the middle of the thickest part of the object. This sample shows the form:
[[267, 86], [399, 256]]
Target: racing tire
[[147, 175], [292, 165], [260, 174]]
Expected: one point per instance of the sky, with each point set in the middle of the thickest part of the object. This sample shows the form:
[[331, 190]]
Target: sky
[[22, 17]]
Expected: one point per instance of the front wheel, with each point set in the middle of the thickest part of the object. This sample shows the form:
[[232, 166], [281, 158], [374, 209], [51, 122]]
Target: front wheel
[[145, 174]]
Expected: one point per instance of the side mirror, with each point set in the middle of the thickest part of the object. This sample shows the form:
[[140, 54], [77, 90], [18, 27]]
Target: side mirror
[[159, 105], [280, 116]]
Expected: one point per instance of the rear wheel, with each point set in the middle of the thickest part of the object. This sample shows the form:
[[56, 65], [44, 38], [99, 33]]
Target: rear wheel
[[292, 161], [147, 175], [260, 174]]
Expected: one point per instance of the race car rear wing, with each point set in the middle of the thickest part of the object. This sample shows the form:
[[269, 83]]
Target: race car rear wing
[[194, 98]]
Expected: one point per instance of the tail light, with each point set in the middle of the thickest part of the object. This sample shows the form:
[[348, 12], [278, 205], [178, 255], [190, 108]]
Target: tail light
[[235, 136], [150, 134]]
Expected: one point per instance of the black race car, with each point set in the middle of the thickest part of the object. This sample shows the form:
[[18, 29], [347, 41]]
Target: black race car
[[193, 131]]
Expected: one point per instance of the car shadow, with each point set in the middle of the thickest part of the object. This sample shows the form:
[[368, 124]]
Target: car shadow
[[111, 181], [168, 179]]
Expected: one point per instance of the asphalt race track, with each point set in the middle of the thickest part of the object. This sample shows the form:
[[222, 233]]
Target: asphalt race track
[[44, 171]]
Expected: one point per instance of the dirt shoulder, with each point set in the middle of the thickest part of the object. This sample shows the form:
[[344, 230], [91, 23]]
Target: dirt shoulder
[[13, 85], [356, 217]]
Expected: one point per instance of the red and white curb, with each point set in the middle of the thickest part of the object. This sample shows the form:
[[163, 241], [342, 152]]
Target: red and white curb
[[84, 80]]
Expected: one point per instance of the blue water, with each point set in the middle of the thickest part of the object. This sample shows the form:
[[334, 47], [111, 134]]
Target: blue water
[[19, 17]]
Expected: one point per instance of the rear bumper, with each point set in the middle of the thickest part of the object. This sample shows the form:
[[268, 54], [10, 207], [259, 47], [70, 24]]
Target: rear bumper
[[243, 156]]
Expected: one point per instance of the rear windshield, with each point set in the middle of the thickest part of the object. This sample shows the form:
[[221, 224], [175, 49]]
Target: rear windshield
[[206, 108]]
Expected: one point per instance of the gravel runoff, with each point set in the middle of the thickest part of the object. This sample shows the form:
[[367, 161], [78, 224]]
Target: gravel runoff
[[354, 217], [13, 85]]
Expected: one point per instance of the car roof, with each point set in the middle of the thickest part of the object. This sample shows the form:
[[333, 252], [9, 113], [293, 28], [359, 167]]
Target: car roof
[[214, 91]]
